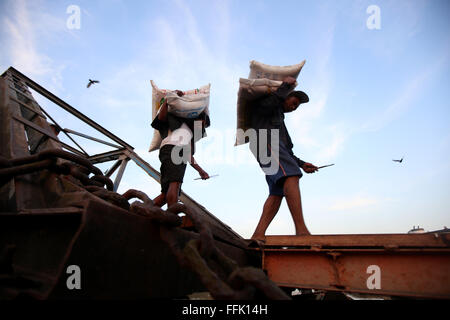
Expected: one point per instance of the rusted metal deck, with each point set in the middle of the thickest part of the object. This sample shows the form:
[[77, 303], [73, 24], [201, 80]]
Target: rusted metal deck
[[403, 265]]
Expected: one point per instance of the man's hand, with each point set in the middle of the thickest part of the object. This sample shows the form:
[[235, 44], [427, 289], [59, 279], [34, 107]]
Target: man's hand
[[289, 80], [309, 168], [203, 174], [162, 114]]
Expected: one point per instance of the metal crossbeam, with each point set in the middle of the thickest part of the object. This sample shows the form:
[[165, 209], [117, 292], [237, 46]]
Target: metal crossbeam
[[50, 135], [409, 265], [90, 138], [41, 90]]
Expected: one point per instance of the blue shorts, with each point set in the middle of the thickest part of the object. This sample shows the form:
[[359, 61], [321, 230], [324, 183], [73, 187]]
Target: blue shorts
[[287, 167]]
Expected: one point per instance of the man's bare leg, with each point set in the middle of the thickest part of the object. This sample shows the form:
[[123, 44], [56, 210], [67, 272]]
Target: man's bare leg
[[270, 209], [292, 193], [160, 200], [172, 193]]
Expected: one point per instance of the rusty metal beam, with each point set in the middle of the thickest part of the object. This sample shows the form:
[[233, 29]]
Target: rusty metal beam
[[61, 129], [362, 240], [408, 265], [24, 93], [20, 192], [114, 167], [27, 107], [46, 133], [123, 165], [91, 138], [106, 156], [50, 96]]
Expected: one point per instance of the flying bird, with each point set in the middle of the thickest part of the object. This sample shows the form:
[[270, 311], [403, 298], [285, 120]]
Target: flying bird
[[91, 82], [399, 161]]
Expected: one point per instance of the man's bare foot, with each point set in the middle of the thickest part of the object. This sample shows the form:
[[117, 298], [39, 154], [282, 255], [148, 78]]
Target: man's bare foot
[[257, 241], [303, 233]]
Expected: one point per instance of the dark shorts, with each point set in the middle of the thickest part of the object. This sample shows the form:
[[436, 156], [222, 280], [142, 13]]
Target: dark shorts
[[287, 167], [170, 172]]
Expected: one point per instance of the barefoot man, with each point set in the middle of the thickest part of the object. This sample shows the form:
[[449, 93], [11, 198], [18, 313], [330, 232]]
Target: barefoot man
[[267, 118], [177, 133]]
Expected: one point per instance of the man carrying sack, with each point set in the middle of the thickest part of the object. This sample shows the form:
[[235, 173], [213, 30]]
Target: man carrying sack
[[267, 115], [177, 138]]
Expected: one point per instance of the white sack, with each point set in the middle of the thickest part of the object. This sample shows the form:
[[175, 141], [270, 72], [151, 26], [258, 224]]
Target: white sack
[[195, 98], [260, 70], [263, 79]]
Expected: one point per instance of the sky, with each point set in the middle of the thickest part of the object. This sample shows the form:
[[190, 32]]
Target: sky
[[378, 83]]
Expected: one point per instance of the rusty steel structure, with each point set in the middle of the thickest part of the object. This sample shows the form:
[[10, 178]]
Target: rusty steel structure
[[409, 265], [58, 210]]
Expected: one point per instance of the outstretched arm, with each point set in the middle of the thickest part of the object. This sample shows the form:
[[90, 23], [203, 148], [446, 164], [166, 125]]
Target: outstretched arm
[[306, 166], [203, 174]]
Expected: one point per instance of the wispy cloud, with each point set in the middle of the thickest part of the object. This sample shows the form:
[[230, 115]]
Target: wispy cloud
[[177, 56], [400, 21], [353, 202], [24, 28], [318, 92], [339, 136], [412, 90], [319, 140]]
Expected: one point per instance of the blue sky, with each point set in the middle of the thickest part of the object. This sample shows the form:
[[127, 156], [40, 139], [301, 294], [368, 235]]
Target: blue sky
[[375, 95]]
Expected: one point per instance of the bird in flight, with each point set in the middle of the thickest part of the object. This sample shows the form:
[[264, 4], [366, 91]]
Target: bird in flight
[[91, 82], [400, 161]]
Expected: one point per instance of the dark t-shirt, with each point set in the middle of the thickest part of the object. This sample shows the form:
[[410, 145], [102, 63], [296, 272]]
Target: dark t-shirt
[[172, 123], [268, 113]]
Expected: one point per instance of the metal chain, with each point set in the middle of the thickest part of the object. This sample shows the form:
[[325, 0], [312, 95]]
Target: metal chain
[[78, 167]]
